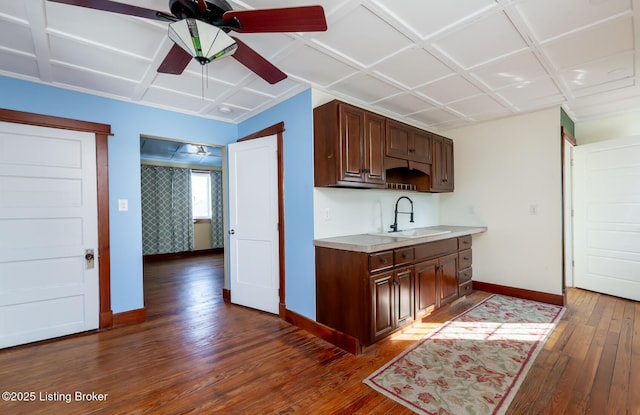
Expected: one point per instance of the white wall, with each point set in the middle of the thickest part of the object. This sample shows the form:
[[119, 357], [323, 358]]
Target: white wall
[[502, 169], [622, 125], [356, 211]]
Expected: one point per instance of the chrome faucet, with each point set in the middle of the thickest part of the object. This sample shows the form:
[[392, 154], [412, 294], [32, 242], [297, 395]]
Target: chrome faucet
[[394, 227]]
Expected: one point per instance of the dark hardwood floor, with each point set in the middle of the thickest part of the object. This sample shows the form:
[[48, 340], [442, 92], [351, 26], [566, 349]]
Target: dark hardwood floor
[[197, 355]]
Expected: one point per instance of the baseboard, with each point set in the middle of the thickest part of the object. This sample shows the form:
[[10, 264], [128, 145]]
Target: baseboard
[[178, 255], [339, 339], [542, 297], [130, 317]]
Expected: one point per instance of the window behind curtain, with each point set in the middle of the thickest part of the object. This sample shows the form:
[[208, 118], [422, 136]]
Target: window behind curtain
[[201, 194]]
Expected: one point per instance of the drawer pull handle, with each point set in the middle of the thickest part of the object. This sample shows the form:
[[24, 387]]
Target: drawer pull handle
[[466, 258]]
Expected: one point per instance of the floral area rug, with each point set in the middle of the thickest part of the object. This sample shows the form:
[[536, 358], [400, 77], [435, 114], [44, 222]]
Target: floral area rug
[[473, 364]]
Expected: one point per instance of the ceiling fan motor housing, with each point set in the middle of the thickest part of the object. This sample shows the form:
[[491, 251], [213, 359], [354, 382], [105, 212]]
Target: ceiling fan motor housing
[[188, 9]]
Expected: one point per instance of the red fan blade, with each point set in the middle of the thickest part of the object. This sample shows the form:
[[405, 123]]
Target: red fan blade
[[115, 7], [202, 6], [175, 62], [252, 60], [288, 19]]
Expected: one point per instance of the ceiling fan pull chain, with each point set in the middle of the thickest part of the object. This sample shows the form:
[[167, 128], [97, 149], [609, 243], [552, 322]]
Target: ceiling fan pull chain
[[202, 81]]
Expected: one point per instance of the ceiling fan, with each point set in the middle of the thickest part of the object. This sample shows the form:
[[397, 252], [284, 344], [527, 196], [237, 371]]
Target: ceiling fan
[[195, 21]]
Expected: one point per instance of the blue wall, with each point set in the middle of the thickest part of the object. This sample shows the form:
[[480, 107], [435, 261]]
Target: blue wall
[[127, 122], [297, 114]]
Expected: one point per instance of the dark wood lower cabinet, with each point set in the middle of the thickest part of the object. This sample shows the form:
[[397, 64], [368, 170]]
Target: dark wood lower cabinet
[[425, 288], [382, 292], [447, 279], [371, 295]]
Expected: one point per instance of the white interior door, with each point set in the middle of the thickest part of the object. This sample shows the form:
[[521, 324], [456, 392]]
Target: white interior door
[[253, 224], [568, 213], [607, 217], [48, 219]]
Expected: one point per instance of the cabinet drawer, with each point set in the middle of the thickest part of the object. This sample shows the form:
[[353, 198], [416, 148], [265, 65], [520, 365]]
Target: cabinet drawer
[[464, 259], [380, 261], [464, 242], [466, 288], [465, 275], [403, 256], [434, 249]]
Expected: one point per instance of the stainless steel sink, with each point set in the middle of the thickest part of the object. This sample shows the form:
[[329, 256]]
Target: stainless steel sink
[[412, 233]]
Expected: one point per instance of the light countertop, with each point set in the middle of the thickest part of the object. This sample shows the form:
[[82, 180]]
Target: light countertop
[[373, 243]]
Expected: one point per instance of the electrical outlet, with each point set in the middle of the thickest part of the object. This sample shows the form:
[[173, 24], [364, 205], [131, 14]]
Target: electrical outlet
[[327, 214], [533, 210]]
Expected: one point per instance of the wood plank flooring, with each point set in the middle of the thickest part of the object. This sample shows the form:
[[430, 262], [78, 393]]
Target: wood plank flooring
[[197, 355]]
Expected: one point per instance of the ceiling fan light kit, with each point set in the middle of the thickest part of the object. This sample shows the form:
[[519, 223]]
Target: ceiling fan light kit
[[201, 40]]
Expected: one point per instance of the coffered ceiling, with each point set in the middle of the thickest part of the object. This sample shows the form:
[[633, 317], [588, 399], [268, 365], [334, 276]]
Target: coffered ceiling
[[437, 64]]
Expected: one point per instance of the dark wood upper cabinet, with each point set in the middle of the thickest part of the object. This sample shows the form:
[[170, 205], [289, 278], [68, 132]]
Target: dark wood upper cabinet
[[407, 143], [348, 146], [357, 148], [442, 168]]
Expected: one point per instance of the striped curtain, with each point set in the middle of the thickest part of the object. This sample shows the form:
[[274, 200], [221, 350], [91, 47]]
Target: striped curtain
[[217, 222], [167, 223]]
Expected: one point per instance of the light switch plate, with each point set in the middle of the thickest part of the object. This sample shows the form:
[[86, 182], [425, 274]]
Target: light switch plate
[[123, 205]]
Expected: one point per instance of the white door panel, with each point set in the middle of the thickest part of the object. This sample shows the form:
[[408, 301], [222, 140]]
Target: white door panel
[[253, 224], [607, 217], [48, 218]]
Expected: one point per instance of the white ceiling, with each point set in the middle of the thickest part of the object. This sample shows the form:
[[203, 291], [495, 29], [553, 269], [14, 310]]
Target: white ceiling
[[162, 151], [438, 64]]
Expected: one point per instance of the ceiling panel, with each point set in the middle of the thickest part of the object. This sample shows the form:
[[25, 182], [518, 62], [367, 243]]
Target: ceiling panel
[[512, 70], [437, 64], [480, 107], [481, 41], [16, 36], [97, 59], [426, 18], [597, 42], [311, 65], [81, 78], [424, 68], [377, 41], [452, 88], [600, 72], [404, 104], [552, 18], [364, 88]]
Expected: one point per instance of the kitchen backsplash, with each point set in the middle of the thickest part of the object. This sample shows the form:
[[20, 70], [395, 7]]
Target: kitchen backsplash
[[339, 212]]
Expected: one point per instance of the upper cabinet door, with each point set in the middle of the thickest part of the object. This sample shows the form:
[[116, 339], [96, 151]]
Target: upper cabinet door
[[408, 143], [397, 140], [374, 141], [442, 168], [421, 146], [351, 143]]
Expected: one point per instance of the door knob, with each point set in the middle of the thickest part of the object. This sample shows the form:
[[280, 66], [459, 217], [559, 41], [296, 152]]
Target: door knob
[[89, 257]]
